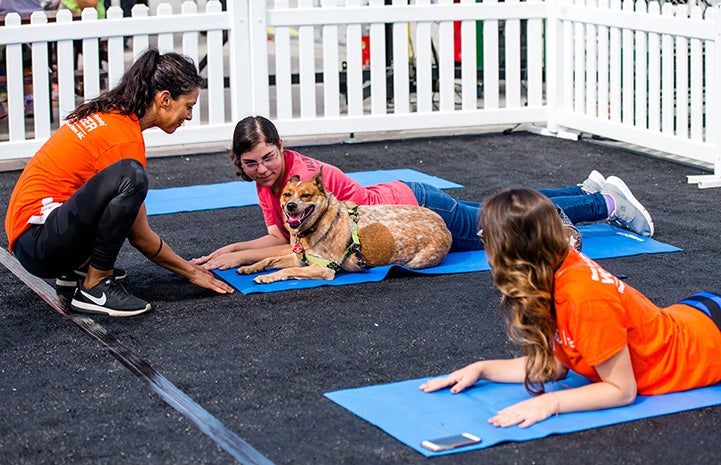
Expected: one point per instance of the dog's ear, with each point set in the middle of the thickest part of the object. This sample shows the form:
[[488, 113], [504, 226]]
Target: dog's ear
[[318, 180], [294, 178]]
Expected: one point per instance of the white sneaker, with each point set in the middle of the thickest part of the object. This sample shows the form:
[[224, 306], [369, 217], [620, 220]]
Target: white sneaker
[[593, 183], [629, 213]]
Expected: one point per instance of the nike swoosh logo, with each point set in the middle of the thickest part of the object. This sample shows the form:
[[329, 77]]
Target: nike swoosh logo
[[97, 300]]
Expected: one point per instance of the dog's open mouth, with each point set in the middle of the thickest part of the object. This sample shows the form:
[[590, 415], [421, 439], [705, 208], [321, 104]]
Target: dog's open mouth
[[294, 220]]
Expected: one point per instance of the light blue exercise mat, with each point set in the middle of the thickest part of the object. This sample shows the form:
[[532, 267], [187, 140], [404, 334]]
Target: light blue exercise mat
[[242, 194], [412, 416], [599, 241]]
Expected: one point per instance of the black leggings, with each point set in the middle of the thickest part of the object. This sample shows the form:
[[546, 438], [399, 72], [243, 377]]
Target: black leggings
[[92, 224]]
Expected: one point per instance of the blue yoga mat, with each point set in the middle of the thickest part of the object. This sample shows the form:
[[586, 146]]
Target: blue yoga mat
[[599, 241], [242, 194], [411, 415]]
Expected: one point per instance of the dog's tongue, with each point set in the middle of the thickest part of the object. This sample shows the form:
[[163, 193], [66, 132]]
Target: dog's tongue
[[293, 222]]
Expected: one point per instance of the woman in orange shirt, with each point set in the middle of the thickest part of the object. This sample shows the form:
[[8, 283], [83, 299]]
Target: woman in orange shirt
[[569, 313], [83, 192]]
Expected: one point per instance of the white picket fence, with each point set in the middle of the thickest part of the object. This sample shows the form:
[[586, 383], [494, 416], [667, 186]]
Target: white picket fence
[[635, 72], [641, 74]]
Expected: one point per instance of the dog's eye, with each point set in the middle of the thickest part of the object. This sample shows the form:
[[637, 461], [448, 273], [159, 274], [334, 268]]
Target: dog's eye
[[286, 194], [305, 196]]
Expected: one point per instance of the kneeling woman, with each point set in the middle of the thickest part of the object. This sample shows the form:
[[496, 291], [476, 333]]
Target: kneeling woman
[[83, 192], [569, 313]]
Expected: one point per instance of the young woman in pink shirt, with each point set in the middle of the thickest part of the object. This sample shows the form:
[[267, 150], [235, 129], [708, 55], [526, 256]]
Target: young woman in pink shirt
[[258, 155]]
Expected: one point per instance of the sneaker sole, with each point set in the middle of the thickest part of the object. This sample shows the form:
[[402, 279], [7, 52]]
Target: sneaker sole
[[86, 307], [620, 185]]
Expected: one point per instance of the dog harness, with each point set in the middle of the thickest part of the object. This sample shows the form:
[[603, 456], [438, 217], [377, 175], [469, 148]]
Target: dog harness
[[352, 248]]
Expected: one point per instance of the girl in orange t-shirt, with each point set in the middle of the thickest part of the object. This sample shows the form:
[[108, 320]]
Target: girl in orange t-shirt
[[569, 313], [83, 192]]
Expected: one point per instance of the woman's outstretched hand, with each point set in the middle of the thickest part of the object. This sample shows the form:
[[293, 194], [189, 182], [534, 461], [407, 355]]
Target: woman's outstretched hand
[[204, 278], [527, 412], [457, 381]]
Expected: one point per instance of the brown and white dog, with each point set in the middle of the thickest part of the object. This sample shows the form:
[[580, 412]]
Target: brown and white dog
[[329, 235]]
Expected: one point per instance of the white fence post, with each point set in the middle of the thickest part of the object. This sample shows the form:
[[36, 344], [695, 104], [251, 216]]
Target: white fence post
[[40, 80], [190, 49], [256, 41], [713, 101], [240, 81], [215, 79]]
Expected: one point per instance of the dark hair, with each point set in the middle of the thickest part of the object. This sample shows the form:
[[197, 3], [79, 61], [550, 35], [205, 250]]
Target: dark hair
[[248, 133], [151, 73], [525, 244]]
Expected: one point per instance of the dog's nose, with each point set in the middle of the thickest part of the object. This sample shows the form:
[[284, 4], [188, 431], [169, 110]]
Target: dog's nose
[[291, 206]]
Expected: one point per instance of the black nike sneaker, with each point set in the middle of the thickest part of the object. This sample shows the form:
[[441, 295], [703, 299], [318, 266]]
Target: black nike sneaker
[[109, 297]]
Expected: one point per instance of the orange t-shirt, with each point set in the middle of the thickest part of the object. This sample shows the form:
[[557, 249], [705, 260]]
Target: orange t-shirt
[[74, 153], [672, 349]]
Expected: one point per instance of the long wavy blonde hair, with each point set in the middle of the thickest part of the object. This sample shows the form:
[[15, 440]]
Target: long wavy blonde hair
[[525, 244]]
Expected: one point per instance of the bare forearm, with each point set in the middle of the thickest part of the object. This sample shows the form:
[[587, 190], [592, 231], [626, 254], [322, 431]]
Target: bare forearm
[[594, 396], [244, 253], [250, 256], [499, 371], [503, 371], [262, 242]]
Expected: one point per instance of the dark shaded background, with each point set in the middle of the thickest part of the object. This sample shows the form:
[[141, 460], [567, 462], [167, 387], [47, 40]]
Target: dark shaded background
[[261, 363]]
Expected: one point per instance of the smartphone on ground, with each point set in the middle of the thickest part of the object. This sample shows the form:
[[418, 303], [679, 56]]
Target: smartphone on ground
[[450, 442]]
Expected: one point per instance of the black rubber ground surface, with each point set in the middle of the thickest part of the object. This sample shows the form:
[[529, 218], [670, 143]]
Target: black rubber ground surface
[[261, 363]]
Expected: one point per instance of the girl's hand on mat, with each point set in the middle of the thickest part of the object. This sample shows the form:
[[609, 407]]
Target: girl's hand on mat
[[217, 261], [457, 381], [213, 255], [526, 413]]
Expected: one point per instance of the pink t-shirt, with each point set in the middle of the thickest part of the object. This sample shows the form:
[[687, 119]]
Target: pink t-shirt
[[336, 181]]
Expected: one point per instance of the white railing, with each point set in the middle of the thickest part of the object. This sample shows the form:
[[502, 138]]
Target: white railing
[[629, 72], [104, 58], [412, 79], [641, 73]]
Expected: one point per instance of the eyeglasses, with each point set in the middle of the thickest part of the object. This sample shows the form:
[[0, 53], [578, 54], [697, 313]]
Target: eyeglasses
[[267, 161]]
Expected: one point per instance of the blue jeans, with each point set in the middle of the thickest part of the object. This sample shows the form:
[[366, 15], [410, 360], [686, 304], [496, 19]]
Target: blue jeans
[[579, 206], [463, 218]]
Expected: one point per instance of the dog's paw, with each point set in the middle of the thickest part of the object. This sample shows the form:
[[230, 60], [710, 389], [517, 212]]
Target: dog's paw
[[246, 270], [264, 279]]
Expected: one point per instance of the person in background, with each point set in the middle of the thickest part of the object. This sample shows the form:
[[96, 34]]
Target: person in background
[[567, 312], [24, 8], [77, 6], [82, 194], [259, 155]]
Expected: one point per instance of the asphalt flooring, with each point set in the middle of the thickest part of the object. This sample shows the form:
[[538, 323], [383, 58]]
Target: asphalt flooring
[[260, 363]]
